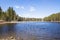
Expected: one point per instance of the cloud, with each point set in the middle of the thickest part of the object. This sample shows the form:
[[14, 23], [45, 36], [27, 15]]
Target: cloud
[[32, 9], [19, 7], [22, 7]]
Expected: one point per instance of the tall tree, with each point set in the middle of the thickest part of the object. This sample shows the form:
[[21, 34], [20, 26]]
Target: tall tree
[[11, 15], [1, 13]]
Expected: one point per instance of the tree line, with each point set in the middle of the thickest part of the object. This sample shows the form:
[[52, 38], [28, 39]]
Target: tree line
[[10, 15], [53, 17], [32, 19]]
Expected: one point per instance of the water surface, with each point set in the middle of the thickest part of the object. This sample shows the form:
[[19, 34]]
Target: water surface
[[31, 31]]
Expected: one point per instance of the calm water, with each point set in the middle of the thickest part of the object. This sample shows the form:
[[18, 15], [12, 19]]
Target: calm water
[[30, 31]]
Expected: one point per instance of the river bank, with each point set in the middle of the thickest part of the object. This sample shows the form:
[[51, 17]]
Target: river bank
[[9, 22], [24, 21]]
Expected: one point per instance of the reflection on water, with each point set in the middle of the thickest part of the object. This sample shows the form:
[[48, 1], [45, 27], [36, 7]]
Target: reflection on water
[[30, 31]]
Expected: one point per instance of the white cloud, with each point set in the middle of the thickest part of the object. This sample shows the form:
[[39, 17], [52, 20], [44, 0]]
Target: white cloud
[[22, 7], [19, 7], [32, 9]]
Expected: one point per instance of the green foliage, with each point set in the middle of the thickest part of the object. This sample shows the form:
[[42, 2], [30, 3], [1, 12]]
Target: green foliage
[[9, 15], [53, 17], [1, 13]]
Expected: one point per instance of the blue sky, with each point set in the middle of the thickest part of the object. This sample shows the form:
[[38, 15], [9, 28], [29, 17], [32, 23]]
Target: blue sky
[[32, 8]]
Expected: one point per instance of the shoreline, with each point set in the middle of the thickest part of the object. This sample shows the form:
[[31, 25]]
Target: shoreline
[[25, 21]]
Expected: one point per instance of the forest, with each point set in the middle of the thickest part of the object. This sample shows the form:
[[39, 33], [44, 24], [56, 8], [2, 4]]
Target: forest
[[11, 15], [53, 17]]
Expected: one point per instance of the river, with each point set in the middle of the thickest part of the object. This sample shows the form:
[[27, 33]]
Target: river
[[30, 31]]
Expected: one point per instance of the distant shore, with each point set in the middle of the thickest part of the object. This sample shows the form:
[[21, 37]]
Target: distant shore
[[25, 21]]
